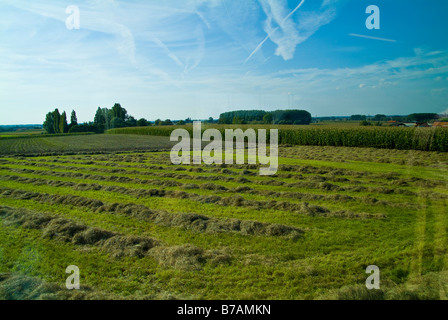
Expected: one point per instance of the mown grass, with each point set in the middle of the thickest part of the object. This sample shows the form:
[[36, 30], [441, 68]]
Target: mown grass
[[409, 243]]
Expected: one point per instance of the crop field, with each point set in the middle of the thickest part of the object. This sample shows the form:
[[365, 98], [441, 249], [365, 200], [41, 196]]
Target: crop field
[[80, 143], [139, 227], [336, 135]]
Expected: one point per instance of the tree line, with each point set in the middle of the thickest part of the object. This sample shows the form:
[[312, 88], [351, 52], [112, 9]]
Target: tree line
[[105, 119], [298, 117], [415, 117]]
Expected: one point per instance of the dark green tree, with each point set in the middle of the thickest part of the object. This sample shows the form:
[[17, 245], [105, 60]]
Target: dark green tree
[[73, 119], [131, 122], [267, 118], [119, 112], [99, 121], [299, 117], [142, 122], [56, 121], [63, 126], [117, 123], [48, 123]]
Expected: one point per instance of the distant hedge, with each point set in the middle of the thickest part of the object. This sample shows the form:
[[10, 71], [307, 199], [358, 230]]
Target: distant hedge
[[299, 117]]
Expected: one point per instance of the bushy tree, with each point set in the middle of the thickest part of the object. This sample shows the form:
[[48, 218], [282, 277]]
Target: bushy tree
[[142, 122], [99, 120], [48, 123], [119, 112], [131, 122]]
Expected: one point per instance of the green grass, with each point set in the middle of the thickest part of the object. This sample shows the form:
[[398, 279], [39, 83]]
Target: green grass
[[409, 244]]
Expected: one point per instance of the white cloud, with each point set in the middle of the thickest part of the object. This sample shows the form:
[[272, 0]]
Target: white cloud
[[287, 34]]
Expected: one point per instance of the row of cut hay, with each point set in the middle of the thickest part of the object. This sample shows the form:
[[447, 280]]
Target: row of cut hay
[[309, 184], [186, 257], [190, 221], [233, 200]]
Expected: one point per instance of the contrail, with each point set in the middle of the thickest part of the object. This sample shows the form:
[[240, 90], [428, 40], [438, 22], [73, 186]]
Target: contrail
[[368, 37], [273, 31]]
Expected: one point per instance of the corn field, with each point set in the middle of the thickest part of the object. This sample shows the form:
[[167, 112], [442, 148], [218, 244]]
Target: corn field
[[424, 139]]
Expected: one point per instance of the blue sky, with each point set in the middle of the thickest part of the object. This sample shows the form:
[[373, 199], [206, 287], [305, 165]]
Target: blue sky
[[197, 58]]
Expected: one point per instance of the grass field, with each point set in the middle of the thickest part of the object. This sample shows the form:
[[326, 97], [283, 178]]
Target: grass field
[[139, 227], [22, 133]]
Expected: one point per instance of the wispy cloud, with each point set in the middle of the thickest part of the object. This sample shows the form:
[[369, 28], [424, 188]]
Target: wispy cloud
[[270, 34], [287, 34], [369, 37]]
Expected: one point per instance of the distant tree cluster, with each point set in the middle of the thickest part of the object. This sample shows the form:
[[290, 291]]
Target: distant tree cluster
[[117, 117], [241, 117], [104, 119], [358, 117], [258, 116], [415, 117], [56, 122], [423, 117]]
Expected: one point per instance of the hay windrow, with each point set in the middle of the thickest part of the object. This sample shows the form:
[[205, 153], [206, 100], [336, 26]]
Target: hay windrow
[[186, 257], [188, 221], [234, 200]]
